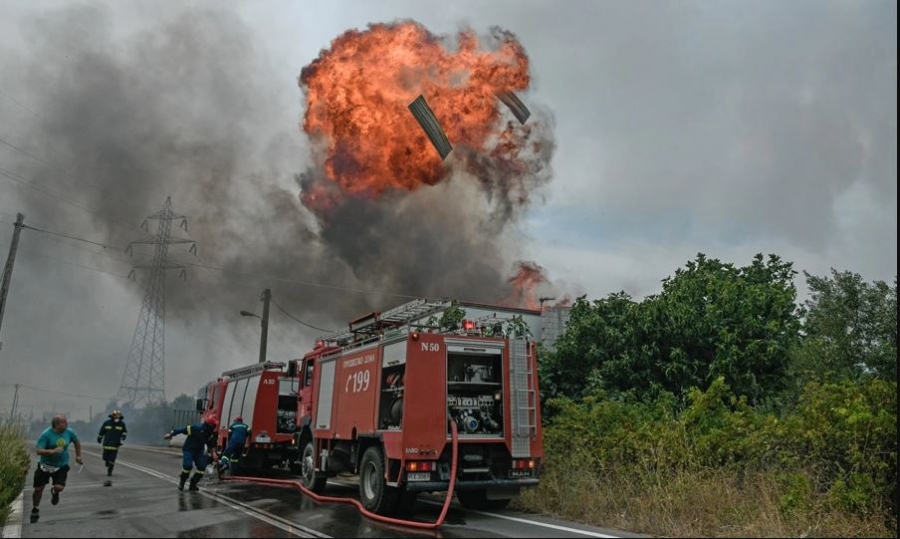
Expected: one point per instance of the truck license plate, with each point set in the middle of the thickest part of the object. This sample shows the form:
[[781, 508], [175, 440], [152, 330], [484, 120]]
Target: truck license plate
[[520, 473], [418, 476]]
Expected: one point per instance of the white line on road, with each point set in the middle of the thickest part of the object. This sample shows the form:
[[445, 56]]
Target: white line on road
[[495, 515], [535, 523], [13, 527], [265, 516]]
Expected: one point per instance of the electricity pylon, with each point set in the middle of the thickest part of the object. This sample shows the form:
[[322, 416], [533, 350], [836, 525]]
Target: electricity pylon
[[145, 374]]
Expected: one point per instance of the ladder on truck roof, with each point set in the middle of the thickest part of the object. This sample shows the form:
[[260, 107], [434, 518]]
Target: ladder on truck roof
[[371, 324], [253, 369]]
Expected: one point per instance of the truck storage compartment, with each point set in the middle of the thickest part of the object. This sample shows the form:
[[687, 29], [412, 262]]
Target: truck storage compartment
[[390, 409], [475, 390]]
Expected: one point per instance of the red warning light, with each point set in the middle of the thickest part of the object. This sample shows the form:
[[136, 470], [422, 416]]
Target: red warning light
[[468, 325]]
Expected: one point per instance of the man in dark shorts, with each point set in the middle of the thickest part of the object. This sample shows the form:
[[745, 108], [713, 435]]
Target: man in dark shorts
[[53, 448]]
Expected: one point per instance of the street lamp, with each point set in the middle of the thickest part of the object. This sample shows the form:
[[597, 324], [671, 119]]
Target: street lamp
[[264, 322]]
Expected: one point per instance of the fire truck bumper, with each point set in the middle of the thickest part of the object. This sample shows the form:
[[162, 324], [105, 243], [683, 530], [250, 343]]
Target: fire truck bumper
[[436, 486]]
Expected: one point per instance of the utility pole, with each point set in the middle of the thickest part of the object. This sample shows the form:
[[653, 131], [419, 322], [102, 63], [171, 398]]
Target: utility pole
[[8, 269], [264, 323], [12, 413], [266, 297]]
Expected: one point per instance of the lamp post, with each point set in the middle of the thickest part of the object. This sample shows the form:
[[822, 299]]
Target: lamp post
[[267, 295]]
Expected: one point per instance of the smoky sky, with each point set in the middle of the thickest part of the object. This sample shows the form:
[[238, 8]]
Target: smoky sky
[[728, 128], [129, 114]]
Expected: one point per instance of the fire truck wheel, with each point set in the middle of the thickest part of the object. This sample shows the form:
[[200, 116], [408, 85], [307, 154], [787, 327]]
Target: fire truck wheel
[[374, 494], [478, 500], [308, 469]]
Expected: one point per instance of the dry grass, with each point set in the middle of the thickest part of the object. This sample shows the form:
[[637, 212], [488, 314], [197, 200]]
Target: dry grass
[[13, 466], [708, 504]]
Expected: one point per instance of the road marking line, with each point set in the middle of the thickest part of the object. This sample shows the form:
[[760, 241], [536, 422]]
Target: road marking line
[[534, 523], [13, 526], [265, 516]]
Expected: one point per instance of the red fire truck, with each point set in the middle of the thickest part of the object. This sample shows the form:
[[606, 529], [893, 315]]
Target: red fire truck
[[265, 395], [377, 400]]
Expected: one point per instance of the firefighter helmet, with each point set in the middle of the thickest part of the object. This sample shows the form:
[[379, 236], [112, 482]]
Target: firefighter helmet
[[239, 418], [116, 413], [212, 422]]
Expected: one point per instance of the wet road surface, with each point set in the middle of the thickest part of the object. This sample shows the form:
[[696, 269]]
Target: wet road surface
[[141, 500]]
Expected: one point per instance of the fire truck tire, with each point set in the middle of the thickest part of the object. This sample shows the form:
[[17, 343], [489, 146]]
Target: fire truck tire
[[478, 500], [308, 469], [374, 494]]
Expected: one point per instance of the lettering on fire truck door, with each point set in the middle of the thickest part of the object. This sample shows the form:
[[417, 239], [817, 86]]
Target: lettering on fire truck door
[[357, 384]]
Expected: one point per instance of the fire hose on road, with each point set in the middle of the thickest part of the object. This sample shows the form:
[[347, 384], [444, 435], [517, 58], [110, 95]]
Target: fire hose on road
[[379, 518]]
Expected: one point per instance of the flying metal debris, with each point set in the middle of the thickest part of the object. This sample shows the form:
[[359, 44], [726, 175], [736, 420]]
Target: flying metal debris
[[426, 118], [511, 100]]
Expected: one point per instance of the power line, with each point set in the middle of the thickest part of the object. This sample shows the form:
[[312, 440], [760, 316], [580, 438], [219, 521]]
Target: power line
[[71, 237], [254, 275], [7, 96], [303, 283], [24, 181], [30, 253], [66, 393], [48, 163], [298, 320]]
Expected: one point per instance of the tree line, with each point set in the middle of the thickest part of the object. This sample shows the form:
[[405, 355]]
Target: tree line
[[724, 369]]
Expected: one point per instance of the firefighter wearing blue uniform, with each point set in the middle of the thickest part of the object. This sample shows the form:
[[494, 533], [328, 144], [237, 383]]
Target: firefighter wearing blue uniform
[[199, 437], [238, 433], [112, 435]]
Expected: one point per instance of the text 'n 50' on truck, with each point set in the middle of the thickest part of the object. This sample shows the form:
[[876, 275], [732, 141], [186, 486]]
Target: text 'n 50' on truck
[[377, 400]]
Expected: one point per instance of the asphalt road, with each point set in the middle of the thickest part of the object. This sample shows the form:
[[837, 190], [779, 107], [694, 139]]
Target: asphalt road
[[141, 500]]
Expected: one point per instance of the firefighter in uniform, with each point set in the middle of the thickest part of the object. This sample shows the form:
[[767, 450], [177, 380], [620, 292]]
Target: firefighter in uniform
[[199, 437], [238, 433], [112, 435]]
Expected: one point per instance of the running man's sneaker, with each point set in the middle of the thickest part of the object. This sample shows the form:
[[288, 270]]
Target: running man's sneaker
[[35, 514], [54, 496]]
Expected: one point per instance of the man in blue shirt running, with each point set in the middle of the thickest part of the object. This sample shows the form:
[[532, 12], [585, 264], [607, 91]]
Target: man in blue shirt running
[[53, 448]]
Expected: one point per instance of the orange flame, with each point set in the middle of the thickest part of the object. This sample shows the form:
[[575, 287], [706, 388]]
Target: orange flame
[[358, 92], [524, 283]]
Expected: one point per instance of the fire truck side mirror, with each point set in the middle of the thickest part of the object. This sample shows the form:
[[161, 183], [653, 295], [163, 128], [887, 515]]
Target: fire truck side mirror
[[201, 405]]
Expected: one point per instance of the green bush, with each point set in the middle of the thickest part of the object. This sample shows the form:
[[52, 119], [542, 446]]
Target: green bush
[[14, 464], [834, 451]]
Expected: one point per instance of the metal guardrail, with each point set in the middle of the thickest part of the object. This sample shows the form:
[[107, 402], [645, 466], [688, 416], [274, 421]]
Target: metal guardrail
[[181, 418]]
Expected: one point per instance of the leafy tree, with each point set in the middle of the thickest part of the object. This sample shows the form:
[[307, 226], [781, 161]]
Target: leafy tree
[[452, 316], [851, 328], [737, 323], [710, 320], [593, 337], [184, 402]]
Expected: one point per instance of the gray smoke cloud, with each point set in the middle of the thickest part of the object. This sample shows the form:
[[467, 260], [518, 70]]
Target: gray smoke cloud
[[188, 108]]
